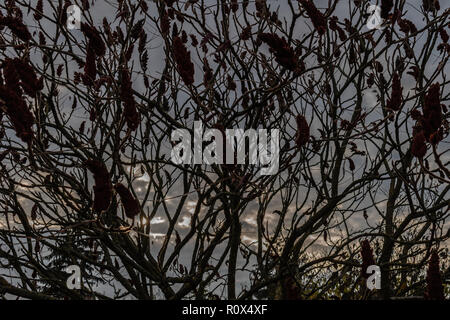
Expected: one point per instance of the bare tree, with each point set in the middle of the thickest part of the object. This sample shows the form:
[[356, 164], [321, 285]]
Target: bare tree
[[87, 178]]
